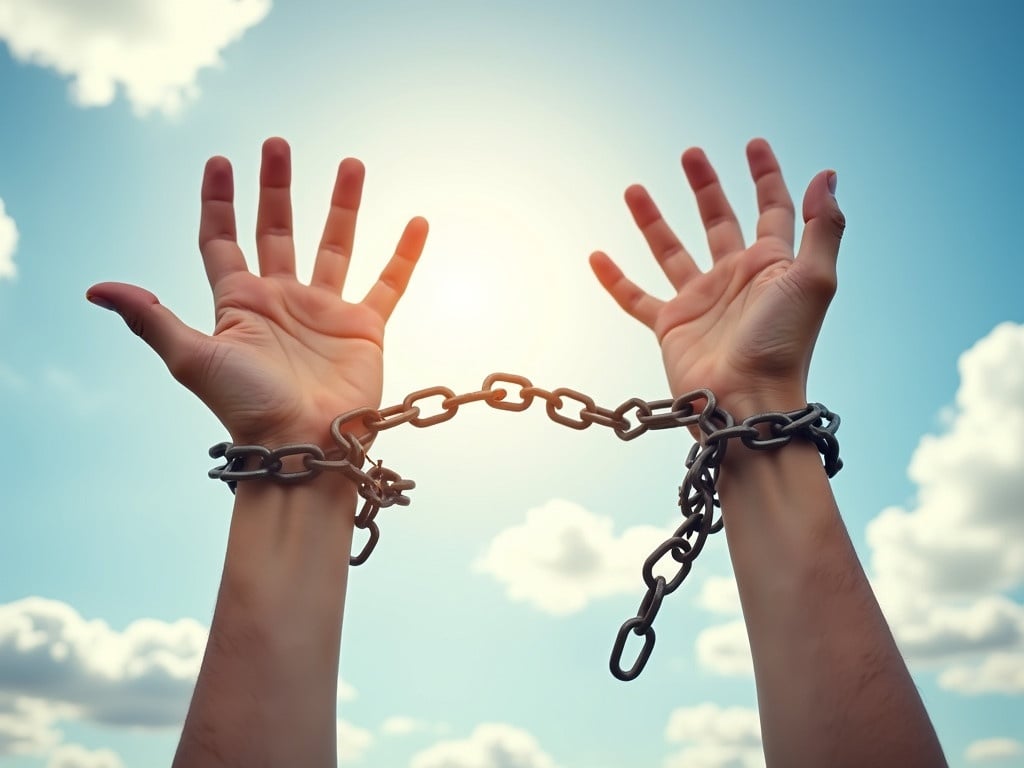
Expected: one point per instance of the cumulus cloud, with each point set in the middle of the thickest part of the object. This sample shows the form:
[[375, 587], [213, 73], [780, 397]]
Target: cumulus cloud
[[26, 725], [491, 745], [400, 726], [997, 672], [719, 594], [8, 244], [152, 50], [938, 630], [346, 692], [725, 649], [75, 756], [353, 742], [403, 726], [940, 567], [140, 676], [564, 556], [992, 750], [715, 737]]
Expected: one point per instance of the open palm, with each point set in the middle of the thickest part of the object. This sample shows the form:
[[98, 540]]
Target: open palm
[[746, 328], [284, 358]]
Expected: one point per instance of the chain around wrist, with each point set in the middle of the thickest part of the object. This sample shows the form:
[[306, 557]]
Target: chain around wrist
[[698, 497]]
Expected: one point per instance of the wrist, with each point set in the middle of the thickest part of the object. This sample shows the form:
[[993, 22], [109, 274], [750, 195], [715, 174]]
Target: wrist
[[287, 536], [743, 405]]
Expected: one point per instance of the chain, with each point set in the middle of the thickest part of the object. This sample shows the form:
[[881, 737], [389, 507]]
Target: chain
[[381, 487], [698, 500]]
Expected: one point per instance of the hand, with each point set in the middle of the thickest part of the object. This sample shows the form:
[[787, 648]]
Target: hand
[[745, 329], [284, 358]]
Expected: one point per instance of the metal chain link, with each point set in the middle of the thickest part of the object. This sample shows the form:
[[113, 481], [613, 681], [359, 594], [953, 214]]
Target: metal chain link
[[382, 487], [698, 499]]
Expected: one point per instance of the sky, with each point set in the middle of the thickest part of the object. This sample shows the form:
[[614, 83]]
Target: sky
[[470, 641]]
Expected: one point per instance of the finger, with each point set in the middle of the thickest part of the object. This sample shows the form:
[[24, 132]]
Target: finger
[[720, 223], [675, 262], [335, 250], [385, 293], [160, 328], [218, 238], [274, 244], [627, 294], [777, 216], [823, 231]]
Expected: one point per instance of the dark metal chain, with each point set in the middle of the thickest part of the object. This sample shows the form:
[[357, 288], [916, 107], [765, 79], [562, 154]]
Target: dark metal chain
[[698, 499], [382, 487], [378, 486]]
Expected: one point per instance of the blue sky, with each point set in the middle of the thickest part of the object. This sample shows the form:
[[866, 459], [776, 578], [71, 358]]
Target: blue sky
[[514, 130]]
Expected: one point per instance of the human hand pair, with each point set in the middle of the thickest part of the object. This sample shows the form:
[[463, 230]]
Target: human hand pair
[[285, 358]]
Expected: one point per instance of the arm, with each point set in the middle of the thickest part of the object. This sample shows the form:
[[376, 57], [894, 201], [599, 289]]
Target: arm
[[284, 359], [832, 687]]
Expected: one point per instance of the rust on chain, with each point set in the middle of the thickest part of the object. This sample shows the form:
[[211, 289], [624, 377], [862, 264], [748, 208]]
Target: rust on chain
[[698, 498]]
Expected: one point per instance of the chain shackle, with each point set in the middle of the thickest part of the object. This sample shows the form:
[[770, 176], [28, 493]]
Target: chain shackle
[[698, 496], [381, 487]]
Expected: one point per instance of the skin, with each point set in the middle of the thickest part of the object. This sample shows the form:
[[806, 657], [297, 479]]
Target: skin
[[832, 687], [285, 358]]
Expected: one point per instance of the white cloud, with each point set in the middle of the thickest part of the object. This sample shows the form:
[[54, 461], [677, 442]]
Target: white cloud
[[75, 756], [353, 742], [26, 725], [403, 726], [142, 676], [715, 737], [736, 726], [153, 50], [346, 692], [939, 567], [400, 726], [997, 672], [564, 556], [491, 745], [725, 649], [8, 244], [945, 630], [987, 750], [719, 594]]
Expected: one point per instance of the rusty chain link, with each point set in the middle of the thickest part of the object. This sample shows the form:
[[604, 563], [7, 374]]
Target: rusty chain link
[[381, 487]]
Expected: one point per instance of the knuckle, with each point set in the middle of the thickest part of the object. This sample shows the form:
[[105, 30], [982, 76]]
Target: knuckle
[[182, 367], [825, 282], [837, 220], [135, 325], [189, 366]]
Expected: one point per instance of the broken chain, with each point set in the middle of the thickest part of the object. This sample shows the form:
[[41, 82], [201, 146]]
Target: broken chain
[[381, 487]]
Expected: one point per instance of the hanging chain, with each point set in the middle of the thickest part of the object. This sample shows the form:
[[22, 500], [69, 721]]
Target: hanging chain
[[381, 487], [698, 499]]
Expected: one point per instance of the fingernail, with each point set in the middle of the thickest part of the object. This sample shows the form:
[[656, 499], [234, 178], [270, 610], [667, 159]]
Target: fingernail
[[832, 180], [99, 301]]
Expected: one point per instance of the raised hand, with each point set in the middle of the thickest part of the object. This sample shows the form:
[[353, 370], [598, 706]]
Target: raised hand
[[284, 358], [746, 328]]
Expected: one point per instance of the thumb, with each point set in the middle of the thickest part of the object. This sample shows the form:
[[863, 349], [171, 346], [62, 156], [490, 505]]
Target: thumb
[[823, 228], [150, 320]]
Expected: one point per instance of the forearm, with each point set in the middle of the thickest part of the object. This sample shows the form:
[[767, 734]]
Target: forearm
[[266, 693], [833, 688]]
